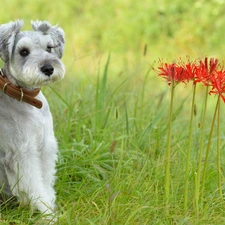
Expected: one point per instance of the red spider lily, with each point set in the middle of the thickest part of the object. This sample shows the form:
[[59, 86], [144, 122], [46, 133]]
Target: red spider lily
[[205, 70], [217, 82], [198, 71], [190, 70], [173, 73]]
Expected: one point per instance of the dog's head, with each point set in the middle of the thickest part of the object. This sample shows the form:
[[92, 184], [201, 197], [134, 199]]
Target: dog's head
[[32, 58]]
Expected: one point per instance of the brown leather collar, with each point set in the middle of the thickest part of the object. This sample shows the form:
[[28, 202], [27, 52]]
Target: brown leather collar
[[21, 94]]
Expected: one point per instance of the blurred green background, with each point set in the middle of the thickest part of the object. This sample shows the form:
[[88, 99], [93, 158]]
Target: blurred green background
[[126, 29]]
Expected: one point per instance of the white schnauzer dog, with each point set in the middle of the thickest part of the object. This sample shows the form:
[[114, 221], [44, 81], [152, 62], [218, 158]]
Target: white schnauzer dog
[[28, 147]]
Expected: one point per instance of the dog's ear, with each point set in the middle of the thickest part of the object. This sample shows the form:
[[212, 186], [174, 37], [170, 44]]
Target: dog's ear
[[56, 33], [8, 33]]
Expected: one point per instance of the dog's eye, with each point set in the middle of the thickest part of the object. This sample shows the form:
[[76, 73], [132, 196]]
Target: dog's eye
[[24, 52], [49, 49]]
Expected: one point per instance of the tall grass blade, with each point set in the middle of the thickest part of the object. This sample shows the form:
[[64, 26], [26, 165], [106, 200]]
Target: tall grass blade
[[127, 118], [147, 131], [100, 98]]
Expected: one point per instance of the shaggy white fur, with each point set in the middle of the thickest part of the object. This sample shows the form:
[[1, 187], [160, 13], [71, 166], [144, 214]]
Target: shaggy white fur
[[28, 148]]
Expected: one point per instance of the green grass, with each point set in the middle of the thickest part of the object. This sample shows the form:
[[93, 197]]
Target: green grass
[[111, 111]]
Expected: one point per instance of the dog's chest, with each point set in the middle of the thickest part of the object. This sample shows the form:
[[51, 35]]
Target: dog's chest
[[23, 124]]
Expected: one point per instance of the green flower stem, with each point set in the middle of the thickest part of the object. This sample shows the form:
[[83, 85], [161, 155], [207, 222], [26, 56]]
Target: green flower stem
[[207, 151], [199, 163], [168, 151], [189, 151], [218, 150]]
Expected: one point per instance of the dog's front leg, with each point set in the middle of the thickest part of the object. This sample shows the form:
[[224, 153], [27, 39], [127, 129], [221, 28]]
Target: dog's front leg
[[48, 159], [25, 178]]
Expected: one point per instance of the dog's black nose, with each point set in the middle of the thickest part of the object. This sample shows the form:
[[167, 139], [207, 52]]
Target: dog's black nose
[[47, 69]]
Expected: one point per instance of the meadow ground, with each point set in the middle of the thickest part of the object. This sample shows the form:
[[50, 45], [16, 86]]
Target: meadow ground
[[111, 111]]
